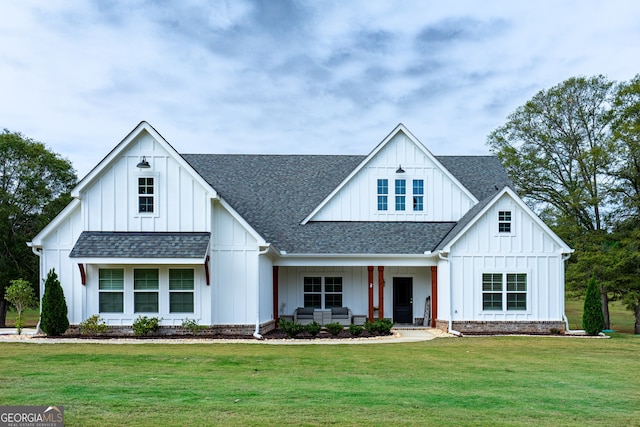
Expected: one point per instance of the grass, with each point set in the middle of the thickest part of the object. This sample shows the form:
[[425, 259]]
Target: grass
[[470, 381]]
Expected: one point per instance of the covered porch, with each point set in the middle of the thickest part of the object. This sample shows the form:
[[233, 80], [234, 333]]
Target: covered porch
[[405, 292]]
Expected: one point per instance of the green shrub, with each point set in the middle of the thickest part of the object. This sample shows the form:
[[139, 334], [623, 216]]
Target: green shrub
[[192, 326], [54, 319], [20, 295], [592, 317], [379, 326], [290, 328], [334, 328], [356, 329], [94, 325], [144, 325], [313, 328]]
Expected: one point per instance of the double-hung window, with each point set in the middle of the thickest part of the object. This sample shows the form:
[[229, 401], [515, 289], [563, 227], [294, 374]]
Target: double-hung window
[[146, 195], [111, 290], [504, 221], [181, 290], [383, 191], [496, 296], [418, 194], [145, 290], [323, 292], [401, 191]]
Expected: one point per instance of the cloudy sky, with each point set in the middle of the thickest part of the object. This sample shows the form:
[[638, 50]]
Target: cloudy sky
[[294, 77]]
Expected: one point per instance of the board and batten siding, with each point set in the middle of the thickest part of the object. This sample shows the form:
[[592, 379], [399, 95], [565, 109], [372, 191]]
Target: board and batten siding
[[110, 203], [444, 200], [528, 249], [234, 271]]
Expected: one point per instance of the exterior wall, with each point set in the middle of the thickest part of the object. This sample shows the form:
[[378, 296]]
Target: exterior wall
[[266, 288], [357, 201], [55, 255], [110, 203], [529, 249], [234, 271], [355, 291]]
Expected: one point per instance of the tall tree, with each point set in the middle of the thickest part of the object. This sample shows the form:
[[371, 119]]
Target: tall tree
[[34, 187], [558, 150]]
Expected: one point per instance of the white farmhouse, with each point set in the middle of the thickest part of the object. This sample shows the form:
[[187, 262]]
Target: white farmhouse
[[238, 241]]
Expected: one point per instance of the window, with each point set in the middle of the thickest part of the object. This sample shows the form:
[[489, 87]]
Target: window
[[111, 290], [145, 290], [418, 195], [181, 291], [145, 195], [318, 296], [495, 296], [504, 221], [401, 190], [383, 191]]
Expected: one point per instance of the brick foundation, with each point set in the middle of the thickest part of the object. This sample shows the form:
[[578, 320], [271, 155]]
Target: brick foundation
[[496, 327], [229, 330]]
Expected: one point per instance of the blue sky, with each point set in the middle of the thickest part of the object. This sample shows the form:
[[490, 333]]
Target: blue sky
[[294, 77]]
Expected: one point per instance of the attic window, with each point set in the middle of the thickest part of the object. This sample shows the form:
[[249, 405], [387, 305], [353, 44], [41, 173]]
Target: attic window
[[383, 191], [145, 195], [401, 191], [504, 221]]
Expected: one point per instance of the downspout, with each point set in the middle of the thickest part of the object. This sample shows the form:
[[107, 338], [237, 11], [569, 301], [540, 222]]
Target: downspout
[[38, 253], [451, 330], [256, 333], [565, 257]]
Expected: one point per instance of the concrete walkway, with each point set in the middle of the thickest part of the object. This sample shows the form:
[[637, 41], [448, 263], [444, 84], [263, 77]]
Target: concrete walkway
[[400, 335]]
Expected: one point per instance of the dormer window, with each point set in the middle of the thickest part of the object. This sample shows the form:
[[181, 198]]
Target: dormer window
[[401, 191], [146, 195], [504, 221], [383, 191]]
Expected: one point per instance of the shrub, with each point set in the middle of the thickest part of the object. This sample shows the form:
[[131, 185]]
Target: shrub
[[54, 319], [192, 326], [356, 329], [290, 328], [20, 295], [592, 317], [144, 325], [94, 325], [379, 326], [313, 328], [334, 328]]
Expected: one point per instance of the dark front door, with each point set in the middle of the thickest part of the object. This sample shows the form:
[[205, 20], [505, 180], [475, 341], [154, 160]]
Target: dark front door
[[403, 299]]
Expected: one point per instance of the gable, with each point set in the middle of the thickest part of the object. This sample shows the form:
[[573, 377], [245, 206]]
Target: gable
[[415, 187]]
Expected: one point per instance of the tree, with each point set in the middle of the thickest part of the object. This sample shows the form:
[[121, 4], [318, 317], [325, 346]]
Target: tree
[[20, 295], [34, 187], [53, 320], [558, 150], [592, 319]]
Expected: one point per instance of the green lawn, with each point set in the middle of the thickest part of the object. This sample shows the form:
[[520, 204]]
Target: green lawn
[[507, 381]]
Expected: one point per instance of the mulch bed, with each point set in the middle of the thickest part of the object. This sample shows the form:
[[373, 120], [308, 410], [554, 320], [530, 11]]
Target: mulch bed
[[272, 335]]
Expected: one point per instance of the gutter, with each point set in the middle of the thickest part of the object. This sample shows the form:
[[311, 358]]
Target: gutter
[[451, 330]]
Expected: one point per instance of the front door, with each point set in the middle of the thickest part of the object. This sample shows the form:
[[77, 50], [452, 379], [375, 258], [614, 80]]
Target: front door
[[403, 299]]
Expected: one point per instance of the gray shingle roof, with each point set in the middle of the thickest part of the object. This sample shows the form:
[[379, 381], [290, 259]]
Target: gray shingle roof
[[274, 193], [99, 244]]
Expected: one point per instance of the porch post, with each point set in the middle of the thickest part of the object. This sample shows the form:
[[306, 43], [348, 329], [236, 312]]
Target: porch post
[[370, 286], [275, 294], [380, 292], [434, 295]]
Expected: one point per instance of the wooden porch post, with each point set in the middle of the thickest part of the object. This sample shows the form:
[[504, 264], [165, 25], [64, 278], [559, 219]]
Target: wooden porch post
[[275, 294], [380, 292], [370, 286], [434, 295]]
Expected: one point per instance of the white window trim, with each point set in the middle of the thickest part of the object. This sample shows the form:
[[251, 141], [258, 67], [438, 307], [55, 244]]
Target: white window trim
[[323, 291], [156, 195], [408, 211], [504, 311], [512, 221]]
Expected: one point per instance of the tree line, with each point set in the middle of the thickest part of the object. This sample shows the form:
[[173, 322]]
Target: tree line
[[573, 154]]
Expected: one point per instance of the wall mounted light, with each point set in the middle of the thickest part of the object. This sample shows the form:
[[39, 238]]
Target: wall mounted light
[[143, 163], [399, 170]]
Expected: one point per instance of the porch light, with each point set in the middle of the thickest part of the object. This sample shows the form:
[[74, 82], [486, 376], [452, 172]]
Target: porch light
[[399, 170], [143, 163]]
